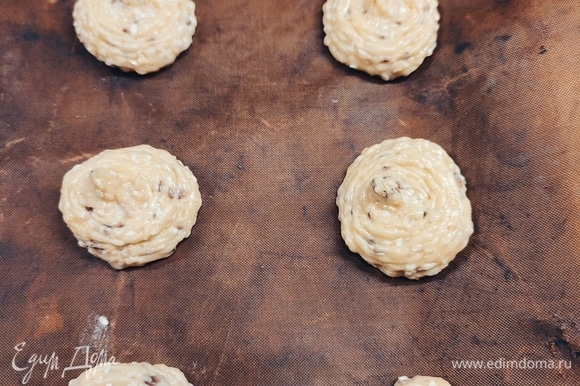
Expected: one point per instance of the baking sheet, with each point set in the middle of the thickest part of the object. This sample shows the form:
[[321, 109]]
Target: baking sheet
[[265, 292]]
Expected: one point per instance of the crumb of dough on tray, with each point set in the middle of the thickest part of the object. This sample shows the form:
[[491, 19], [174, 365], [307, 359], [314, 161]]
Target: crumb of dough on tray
[[130, 206], [403, 207], [131, 374], [421, 380], [387, 38], [135, 35]]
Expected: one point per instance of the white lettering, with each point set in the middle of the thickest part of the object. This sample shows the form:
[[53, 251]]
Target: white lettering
[[565, 364], [82, 359], [18, 348], [521, 364], [90, 359], [72, 366], [49, 360]]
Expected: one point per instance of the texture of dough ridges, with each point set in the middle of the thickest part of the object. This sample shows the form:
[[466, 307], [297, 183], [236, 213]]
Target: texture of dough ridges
[[131, 374], [135, 35], [130, 206], [388, 38], [403, 207]]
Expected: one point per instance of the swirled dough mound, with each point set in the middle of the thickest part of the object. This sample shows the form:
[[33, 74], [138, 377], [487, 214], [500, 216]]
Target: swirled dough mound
[[135, 35], [403, 207], [131, 374], [421, 380], [388, 38], [130, 206]]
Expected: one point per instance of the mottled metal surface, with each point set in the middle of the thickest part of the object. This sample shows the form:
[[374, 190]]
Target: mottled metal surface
[[265, 292]]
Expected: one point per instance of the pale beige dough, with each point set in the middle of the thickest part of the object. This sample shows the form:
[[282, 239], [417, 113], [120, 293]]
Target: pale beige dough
[[388, 38], [403, 207], [135, 35], [130, 206], [131, 374], [420, 380]]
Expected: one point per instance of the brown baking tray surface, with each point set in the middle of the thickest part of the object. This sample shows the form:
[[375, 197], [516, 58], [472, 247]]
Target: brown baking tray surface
[[265, 292]]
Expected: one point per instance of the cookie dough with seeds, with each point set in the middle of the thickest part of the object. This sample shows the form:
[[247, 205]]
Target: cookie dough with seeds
[[131, 374], [130, 206], [403, 207], [388, 38], [421, 380], [135, 35]]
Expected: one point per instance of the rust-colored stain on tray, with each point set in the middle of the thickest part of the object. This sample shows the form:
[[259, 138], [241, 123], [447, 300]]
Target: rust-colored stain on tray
[[264, 291]]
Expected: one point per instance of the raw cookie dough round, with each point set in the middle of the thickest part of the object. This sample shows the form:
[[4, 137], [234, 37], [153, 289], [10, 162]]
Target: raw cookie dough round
[[135, 35], [131, 374], [388, 38], [130, 206], [420, 380], [403, 207]]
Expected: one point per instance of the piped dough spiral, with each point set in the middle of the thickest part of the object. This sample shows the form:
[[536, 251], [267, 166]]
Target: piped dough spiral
[[135, 35], [403, 207], [421, 380], [130, 206], [388, 38], [130, 374]]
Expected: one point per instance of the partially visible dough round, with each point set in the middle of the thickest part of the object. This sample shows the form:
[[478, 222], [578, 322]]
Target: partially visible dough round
[[130, 206], [388, 38], [403, 207], [420, 380], [131, 374], [135, 35]]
